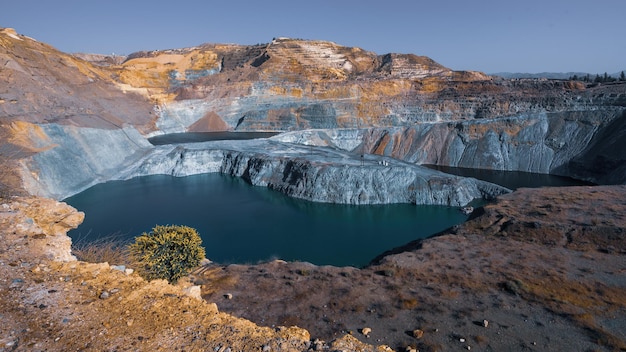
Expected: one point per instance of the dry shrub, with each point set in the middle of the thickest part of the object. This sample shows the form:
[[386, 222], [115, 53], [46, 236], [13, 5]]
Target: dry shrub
[[430, 347], [564, 297], [598, 334], [112, 249], [449, 294]]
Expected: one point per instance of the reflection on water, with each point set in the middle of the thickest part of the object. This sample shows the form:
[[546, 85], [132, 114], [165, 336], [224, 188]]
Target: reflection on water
[[240, 223], [512, 179], [195, 137]]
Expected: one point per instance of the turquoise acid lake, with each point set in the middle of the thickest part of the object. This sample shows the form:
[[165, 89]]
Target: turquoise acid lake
[[241, 223]]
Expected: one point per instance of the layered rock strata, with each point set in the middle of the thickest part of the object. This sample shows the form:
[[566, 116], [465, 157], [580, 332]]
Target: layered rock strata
[[91, 122], [319, 174], [559, 143]]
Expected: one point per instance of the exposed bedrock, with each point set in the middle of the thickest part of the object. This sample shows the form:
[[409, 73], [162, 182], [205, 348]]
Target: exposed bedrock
[[300, 106], [71, 159], [76, 158], [319, 174], [604, 160], [581, 144], [325, 165]]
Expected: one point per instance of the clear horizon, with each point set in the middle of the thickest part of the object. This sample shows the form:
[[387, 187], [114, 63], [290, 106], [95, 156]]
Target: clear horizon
[[482, 35]]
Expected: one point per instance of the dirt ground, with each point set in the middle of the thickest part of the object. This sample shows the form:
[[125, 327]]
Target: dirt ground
[[538, 270]]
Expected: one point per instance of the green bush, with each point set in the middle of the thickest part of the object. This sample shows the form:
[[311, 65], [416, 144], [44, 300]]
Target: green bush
[[167, 252]]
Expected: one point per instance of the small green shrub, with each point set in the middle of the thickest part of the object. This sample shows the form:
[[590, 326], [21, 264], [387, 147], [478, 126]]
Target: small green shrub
[[167, 252]]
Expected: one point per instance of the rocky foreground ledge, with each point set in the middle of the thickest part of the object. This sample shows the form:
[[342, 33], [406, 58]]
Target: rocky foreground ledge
[[51, 302], [539, 269]]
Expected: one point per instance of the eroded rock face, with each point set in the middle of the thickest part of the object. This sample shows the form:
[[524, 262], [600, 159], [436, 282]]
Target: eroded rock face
[[571, 144], [74, 158], [48, 86], [37, 227], [402, 106], [319, 174]]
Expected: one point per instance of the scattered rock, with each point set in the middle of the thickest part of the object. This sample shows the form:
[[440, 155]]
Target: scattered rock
[[485, 323], [386, 272], [366, 331], [121, 268], [228, 296], [16, 283], [418, 333], [212, 307], [10, 343], [318, 345], [105, 295], [194, 292]]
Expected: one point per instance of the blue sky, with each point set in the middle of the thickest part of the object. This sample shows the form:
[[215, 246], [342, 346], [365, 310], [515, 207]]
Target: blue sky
[[484, 35]]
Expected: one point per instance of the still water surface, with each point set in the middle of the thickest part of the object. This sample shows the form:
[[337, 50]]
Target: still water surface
[[240, 223], [512, 179], [195, 137]]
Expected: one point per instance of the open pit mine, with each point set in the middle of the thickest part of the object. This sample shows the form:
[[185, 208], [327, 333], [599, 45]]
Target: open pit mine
[[353, 127]]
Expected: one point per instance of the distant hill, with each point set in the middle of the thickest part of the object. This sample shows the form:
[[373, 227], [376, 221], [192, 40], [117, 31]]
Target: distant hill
[[550, 75]]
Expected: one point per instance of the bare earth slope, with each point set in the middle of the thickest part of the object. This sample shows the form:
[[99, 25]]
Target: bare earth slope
[[42, 85], [545, 268]]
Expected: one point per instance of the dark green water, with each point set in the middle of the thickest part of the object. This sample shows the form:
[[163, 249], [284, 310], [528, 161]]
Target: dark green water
[[512, 179], [240, 223], [195, 137]]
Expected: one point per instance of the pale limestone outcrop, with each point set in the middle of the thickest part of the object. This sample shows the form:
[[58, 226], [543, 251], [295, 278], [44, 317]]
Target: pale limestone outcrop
[[76, 158], [321, 174]]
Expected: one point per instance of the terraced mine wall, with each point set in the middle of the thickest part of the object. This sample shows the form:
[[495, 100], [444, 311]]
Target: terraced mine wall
[[356, 166], [357, 123]]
